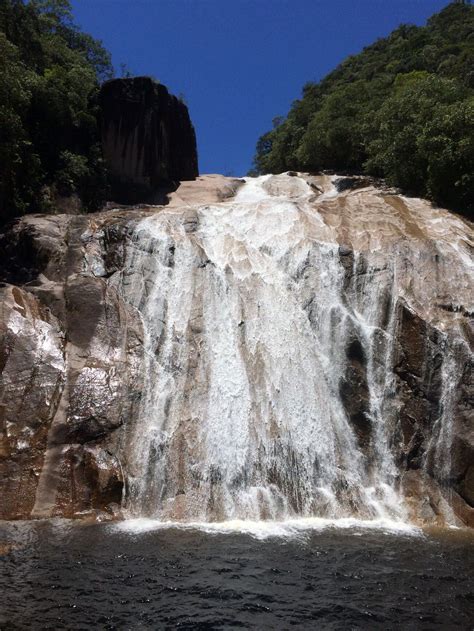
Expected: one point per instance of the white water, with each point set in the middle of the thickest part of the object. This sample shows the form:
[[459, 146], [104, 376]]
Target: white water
[[290, 528], [247, 322]]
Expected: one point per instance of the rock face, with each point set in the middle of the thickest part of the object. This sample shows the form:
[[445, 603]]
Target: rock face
[[71, 353], [33, 371], [183, 309], [148, 139]]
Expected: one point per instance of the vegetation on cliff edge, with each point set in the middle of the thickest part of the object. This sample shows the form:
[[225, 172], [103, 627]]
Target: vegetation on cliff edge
[[402, 109], [50, 73]]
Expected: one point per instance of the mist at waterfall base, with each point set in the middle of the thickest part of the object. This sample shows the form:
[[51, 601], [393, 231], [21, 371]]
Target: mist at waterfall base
[[65, 575]]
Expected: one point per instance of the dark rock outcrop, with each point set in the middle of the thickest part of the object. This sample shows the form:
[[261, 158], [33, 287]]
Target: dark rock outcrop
[[421, 351], [148, 140], [418, 360], [354, 393]]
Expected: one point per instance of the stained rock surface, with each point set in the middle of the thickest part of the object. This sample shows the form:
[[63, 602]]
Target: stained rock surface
[[73, 349], [71, 353]]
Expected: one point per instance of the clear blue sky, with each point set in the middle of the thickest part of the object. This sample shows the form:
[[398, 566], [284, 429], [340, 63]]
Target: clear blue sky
[[240, 63]]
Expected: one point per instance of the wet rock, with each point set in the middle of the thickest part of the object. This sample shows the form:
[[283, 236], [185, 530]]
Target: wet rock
[[355, 352], [91, 479], [33, 245], [463, 431], [345, 250], [420, 354], [355, 182], [115, 239], [418, 360], [105, 358], [463, 510], [70, 364], [422, 498], [466, 488], [429, 503], [32, 377], [354, 392], [346, 257]]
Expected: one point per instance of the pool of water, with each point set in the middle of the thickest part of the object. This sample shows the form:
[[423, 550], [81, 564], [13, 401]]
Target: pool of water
[[140, 575]]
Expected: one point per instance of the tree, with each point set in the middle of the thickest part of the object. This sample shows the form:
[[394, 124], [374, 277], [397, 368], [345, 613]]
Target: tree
[[447, 144], [50, 74], [399, 152], [375, 112]]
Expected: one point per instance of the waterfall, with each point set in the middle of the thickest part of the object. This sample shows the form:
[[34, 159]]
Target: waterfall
[[256, 322]]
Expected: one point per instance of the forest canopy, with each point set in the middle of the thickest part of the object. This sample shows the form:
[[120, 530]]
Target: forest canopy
[[50, 73], [402, 109]]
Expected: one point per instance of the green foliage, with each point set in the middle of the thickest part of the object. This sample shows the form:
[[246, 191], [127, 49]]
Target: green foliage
[[334, 138], [401, 109], [400, 150], [447, 143], [73, 169], [50, 73]]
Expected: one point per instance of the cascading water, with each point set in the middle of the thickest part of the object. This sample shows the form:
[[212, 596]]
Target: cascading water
[[251, 325]]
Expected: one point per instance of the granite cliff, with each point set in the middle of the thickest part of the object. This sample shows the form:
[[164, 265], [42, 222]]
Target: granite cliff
[[251, 349], [148, 140]]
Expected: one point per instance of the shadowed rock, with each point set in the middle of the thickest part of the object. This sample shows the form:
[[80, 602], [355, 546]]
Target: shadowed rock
[[148, 140]]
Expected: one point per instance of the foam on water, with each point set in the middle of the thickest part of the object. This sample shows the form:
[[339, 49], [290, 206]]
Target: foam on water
[[287, 529]]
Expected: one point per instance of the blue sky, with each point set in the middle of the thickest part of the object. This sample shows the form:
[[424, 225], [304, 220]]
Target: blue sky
[[240, 63]]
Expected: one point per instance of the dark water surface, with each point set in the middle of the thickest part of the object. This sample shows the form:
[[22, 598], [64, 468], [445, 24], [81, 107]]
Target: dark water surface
[[64, 575]]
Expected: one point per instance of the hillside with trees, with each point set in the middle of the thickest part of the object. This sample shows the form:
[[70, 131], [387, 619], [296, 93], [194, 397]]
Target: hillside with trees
[[50, 73], [402, 109]]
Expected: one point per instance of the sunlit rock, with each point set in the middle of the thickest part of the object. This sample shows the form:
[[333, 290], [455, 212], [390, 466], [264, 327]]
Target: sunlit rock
[[286, 346]]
